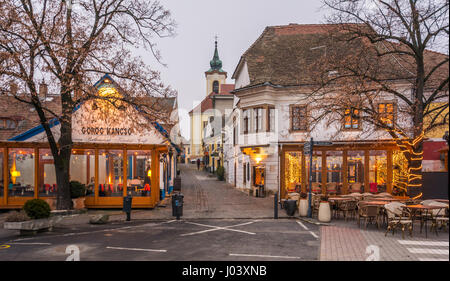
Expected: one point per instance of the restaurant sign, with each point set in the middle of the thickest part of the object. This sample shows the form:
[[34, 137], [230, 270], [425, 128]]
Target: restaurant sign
[[106, 131]]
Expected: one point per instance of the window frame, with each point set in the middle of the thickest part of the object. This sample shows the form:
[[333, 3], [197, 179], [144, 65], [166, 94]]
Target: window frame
[[291, 117], [393, 113], [351, 114]]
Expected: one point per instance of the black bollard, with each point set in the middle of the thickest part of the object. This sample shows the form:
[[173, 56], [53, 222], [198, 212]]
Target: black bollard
[[275, 206]]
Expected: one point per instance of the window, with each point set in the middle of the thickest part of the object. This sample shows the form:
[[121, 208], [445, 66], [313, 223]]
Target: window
[[7, 124], [258, 119], [271, 124], [216, 87], [351, 119], [245, 119], [386, 111], [299, 118]]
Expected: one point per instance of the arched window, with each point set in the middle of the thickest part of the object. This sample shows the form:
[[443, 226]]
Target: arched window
[[216, 86]]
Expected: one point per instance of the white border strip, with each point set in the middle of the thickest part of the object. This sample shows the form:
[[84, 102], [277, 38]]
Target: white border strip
[[136, 249], [424, 243], [428, 251], [264, 256]]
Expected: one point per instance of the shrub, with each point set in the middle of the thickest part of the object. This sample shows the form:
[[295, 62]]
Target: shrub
[[77, 189], [37, 209], [17, 216], [220, 173]]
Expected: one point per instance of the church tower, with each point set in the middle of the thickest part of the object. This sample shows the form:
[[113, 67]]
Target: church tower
[[215, 76]]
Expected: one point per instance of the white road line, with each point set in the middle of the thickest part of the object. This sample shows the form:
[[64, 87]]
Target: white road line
[[304, 226], [23, 243], [423, 243], [136, 249], [264, 256], [313, 234], [428, 251], [432, 259], [214, 228]]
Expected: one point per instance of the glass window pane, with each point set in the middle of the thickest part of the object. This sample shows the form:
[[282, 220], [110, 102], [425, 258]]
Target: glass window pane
[[1, 172], [334, 170], [21, 172], [82, 168], [355, 173], [377, 170], [110, 173], [293, 171], [139, 172], [316, 171], [47, 174]]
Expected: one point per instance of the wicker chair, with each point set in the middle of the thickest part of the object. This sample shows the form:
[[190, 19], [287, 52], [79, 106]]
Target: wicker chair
[[315, 187], [315, 204], [439, 216], [347, 207], [370, 213], [331, 188], [397, 216], [356, 187]]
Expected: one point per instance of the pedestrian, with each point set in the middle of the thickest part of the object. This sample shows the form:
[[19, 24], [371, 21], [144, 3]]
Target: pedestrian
[[198, 163]]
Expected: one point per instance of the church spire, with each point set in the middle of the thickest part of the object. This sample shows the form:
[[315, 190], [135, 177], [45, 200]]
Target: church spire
[[216, 63]]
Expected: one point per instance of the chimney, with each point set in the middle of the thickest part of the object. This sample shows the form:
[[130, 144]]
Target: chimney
[[13, 88], [43, 88]]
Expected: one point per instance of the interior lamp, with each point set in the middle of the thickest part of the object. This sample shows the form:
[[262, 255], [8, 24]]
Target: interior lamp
[[149, 173]]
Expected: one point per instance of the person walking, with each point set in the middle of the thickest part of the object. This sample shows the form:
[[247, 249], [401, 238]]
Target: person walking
[[198, 164]]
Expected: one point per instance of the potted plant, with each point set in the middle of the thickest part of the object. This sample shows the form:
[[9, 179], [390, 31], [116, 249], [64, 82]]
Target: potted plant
[[324, 209], [34, 217], [303, 204], [78, 194], [220, 173]]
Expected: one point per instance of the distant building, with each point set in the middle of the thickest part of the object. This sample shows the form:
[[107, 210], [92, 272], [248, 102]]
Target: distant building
[[208, 117]]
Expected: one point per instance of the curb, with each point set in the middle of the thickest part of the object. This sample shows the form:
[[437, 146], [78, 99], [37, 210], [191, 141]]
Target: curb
[[315, 222]]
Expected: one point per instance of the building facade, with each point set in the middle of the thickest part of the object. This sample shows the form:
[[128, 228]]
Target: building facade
[[270, 124], [114, 154]]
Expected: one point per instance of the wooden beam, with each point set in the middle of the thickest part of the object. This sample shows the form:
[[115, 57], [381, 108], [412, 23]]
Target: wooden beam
[[344, 172], [324, 172], [390, 171], [5, 175], [36, 172], [305, 187], [366, 170], [125, 172], [96, 177]]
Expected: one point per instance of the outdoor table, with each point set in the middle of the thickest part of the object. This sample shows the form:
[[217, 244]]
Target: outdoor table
[[335, 201], [423, 219], [441, 200]]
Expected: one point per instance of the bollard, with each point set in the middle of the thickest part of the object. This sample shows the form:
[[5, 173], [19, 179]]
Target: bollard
[[127, 206], [275, 205]]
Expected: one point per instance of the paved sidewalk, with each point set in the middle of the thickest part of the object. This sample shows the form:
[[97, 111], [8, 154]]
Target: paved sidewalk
[[345, 241]]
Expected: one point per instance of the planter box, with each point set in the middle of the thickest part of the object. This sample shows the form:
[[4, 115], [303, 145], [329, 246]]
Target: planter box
[[78, 203], [32, 227]]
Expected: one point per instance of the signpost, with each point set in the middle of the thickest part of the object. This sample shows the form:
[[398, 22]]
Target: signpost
[[308, 150]]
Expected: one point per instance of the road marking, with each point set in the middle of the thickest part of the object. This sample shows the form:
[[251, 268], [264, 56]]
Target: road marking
[[424, 243], [428, 251], [432, 259], [313, 234], [31, 243], [136, 249], [304, 226], [215, 228], [264, 256]]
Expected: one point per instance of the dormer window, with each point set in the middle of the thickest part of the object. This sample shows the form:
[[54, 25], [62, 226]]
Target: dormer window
[[216, 87], [8, 124]]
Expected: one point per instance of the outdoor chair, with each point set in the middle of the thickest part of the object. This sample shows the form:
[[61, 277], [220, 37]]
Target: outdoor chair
[[347, 208], [439, 216], [370, 214], [397, 216], [315, 187], [331, 188], [316, 203], [355, 187]]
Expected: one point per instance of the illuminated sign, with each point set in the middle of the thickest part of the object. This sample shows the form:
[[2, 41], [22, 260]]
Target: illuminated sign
[[106, 131]]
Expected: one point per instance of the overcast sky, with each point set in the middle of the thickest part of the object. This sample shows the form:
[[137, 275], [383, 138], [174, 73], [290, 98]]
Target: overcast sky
[[237, 23]]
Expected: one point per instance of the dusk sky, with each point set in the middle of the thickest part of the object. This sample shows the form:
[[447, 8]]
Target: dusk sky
[[237, 23]]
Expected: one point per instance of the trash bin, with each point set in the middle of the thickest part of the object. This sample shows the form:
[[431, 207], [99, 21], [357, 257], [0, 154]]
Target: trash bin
[[127, 200], [291, 206], [177, 205]]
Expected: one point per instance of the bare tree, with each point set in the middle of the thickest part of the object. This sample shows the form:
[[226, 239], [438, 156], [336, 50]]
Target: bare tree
[[382, 50], [69, 45]]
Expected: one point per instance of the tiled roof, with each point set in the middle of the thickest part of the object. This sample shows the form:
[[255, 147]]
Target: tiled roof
[[283, 55], [207, 102], [24, 114]]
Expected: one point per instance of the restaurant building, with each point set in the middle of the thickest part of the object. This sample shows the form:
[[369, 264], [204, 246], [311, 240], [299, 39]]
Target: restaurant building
[[270, 124], [114, 153]]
